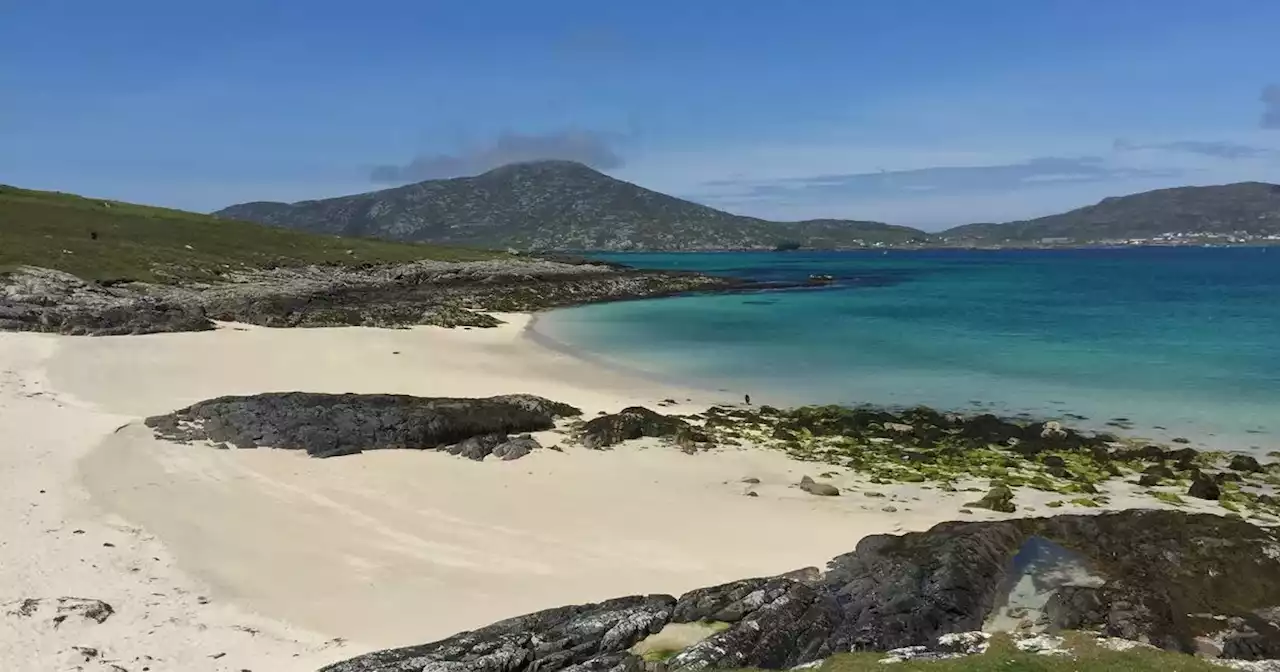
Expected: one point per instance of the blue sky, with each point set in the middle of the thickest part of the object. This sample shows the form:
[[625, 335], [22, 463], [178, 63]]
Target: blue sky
[[921, 112]]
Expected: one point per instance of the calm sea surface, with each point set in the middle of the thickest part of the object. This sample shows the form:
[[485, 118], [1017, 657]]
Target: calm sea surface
[[1163, 342]]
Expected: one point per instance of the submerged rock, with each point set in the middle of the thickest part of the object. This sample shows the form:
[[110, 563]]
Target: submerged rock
[[328, 425], [1146, 570]]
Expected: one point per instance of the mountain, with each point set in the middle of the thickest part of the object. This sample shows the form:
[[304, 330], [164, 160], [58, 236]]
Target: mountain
[[555, 205], [1247, 207], [98, 239]]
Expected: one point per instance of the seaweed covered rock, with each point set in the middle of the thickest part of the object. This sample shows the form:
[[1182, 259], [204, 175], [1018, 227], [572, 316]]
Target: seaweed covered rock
[[999, 498], [327, 425], [1204, 486], [1153, 568], [632, 423], [1247, 463]]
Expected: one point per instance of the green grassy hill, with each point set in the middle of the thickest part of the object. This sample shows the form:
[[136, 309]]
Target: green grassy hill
[[108, 240]]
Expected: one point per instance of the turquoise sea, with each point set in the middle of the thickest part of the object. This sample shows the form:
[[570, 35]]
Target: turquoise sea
[[1154, 342]]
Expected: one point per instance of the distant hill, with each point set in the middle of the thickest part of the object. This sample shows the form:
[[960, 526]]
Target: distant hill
[[98, 239], [555, 205], [1251, 207]]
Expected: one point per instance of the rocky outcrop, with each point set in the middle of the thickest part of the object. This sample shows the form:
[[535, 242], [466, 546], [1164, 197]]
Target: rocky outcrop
[[328, 425], [588, 637], [40, 299], [636, 422], [449, 294], [1159, 572]]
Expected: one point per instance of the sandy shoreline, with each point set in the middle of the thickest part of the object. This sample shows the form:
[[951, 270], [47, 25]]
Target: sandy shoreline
[[380, 549]]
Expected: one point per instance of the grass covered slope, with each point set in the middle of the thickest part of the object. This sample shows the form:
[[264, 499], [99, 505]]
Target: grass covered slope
[[108, 240]]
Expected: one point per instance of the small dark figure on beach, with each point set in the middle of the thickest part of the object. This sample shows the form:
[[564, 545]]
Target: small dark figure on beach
[[747, 398], [93, 235]]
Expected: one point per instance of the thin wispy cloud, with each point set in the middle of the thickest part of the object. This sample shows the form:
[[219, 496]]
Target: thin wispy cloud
[[1212, 148], [1000, 177], [1271, 106], [588, 147]]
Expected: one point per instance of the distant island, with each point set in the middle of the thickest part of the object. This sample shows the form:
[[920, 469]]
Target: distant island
[[566, 206]]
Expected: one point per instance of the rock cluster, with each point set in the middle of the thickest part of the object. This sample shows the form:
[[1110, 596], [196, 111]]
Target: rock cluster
[[1170, 579], [328, 425], [40, 299], [393, 295], [636, 422], [924, 445]]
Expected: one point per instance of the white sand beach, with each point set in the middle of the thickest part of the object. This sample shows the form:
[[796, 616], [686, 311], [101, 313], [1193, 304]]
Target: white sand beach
[[260, 559]]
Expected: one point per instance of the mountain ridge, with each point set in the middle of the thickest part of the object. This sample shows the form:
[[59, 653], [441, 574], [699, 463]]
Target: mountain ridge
[[563, 205], [1240, 207], [555, 205]]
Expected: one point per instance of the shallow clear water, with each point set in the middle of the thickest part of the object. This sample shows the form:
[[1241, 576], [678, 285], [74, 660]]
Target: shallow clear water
[[1184, 339]]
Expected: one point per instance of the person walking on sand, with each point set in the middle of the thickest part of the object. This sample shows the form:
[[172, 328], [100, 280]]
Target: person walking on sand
[[747, 398]]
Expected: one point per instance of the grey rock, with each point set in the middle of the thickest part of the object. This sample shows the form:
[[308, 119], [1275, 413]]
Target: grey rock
[[1247, 463], [589, 638], [329, 425], [516, 448], [631, 423], [999, 498], [476, 447], [1204, 487], [894, 592], [449, 294], [815, 488]]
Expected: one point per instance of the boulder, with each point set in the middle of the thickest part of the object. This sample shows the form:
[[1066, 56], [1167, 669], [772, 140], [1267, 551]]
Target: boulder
[[514, 449], [1247, 463], [999, 498], [476, 447], [1204, 487], [815, 488]]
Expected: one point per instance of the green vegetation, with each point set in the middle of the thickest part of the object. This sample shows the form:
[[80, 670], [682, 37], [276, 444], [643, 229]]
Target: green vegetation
[[108, 240], [1168, 498], [675, 638], [1003, 656]]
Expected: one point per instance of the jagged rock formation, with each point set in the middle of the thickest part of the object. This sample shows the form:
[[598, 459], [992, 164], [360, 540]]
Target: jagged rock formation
[[392, 295], [328, 425], [1166, 578], [41, 299], [555, 205]]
